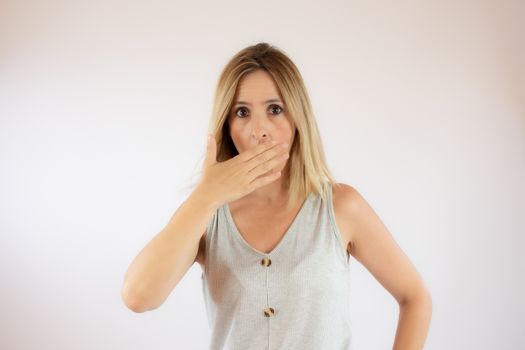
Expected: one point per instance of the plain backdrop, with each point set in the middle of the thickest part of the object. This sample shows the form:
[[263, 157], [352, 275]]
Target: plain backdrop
[[104, 108]]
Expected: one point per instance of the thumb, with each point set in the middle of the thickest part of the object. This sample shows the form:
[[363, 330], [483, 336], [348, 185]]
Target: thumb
[[211, 151]]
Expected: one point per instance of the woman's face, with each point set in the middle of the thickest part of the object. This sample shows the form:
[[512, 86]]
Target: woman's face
[[258, 113]]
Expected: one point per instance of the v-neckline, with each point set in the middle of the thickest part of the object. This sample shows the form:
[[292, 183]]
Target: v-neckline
[[238, 234]]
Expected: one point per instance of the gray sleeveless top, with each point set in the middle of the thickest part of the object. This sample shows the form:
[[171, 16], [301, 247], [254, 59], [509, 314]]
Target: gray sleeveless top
[[295, 297]]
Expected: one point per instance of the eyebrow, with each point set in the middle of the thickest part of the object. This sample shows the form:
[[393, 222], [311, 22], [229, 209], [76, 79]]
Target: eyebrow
[[265, 102]]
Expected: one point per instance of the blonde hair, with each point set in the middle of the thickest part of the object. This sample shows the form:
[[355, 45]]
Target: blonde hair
[[308, 170]]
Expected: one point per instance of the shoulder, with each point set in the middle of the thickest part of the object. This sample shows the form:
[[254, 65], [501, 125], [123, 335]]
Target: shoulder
[[346, 198], [347, 204]]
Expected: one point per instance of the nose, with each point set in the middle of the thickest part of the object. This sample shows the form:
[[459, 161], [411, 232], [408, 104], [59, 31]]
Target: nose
[[260, 132], [263, 138]]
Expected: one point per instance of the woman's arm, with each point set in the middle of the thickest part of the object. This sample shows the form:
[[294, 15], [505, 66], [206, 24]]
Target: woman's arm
[[413, 323], [161, 264], [375, 248]]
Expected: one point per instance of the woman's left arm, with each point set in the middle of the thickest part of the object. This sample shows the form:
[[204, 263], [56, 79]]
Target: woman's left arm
[[375, 248]]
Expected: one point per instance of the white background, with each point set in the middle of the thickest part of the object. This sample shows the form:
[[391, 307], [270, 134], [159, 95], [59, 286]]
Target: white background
[[104, 108]]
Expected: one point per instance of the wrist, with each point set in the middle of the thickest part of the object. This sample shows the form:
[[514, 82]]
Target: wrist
[[202, 196]]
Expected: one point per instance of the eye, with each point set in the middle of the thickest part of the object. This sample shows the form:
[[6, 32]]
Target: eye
[[272, 107], [237, 111], [278, 107]]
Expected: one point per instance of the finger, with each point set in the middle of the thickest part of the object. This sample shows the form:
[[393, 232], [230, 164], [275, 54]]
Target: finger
[[264, 180], [267, 166], [266, 156], [254, 151], [211, 151]]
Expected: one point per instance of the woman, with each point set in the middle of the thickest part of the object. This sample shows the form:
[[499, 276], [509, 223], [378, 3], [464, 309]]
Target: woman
[[271, 229]]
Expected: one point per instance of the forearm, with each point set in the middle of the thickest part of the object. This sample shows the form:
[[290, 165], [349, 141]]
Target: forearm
[[413, 324], [167, 257]]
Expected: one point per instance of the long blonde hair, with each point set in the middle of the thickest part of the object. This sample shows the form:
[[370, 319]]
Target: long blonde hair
[[308, 170]]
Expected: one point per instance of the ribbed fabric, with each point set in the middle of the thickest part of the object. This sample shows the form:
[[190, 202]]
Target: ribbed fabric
[[307, 284]]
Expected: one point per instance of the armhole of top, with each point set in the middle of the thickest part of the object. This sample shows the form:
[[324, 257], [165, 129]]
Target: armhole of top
[[209, 233], [335, 228]]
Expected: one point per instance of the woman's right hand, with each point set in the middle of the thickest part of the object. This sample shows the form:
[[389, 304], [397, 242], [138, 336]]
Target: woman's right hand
[[236, 177]]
